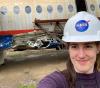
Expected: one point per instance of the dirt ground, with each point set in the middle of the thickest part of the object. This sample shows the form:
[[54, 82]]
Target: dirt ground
[[29, 66]]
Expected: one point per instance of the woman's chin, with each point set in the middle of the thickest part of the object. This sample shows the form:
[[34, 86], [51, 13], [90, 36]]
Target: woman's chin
[[83, 70]]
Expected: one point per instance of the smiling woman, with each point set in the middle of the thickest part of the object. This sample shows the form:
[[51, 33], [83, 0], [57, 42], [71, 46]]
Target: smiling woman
[[83, 56], [82, 40]]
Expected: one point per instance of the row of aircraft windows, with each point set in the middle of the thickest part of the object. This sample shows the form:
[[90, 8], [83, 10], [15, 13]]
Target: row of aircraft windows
[[28, 10], [16, 9]]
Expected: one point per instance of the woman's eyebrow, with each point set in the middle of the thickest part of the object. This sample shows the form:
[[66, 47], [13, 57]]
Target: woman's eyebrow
[[73, 44], [88, 43]]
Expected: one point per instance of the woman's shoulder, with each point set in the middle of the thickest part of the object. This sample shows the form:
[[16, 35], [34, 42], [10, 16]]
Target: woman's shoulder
[[53, 80], [98, 74], [98, 78], [57, 75]]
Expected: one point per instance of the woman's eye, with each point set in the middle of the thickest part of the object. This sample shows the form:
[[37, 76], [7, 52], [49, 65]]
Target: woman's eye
[[88, 46], [73, 46]]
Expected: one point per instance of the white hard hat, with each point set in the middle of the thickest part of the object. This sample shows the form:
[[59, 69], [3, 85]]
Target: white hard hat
[[83, 27]]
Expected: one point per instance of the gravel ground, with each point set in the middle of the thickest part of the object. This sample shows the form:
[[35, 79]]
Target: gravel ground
[[29, 66]]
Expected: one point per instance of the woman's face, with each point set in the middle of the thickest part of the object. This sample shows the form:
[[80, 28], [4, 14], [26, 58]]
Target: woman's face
[[83, 56]]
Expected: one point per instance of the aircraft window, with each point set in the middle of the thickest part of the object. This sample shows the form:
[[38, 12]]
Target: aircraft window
[[16, 9], [70, 8], [28, 9], [59, 8], [92, 7], [39, 9], [49, 9], [3, 10]]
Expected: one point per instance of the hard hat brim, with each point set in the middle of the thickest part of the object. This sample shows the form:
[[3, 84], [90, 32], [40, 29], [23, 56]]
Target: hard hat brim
[[81, 39]]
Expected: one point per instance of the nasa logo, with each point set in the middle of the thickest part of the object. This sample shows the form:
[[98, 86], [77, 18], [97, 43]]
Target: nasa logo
[[82, 25]]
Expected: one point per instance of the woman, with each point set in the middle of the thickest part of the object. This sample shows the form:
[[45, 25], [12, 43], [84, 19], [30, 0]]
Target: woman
[[81, 37]]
